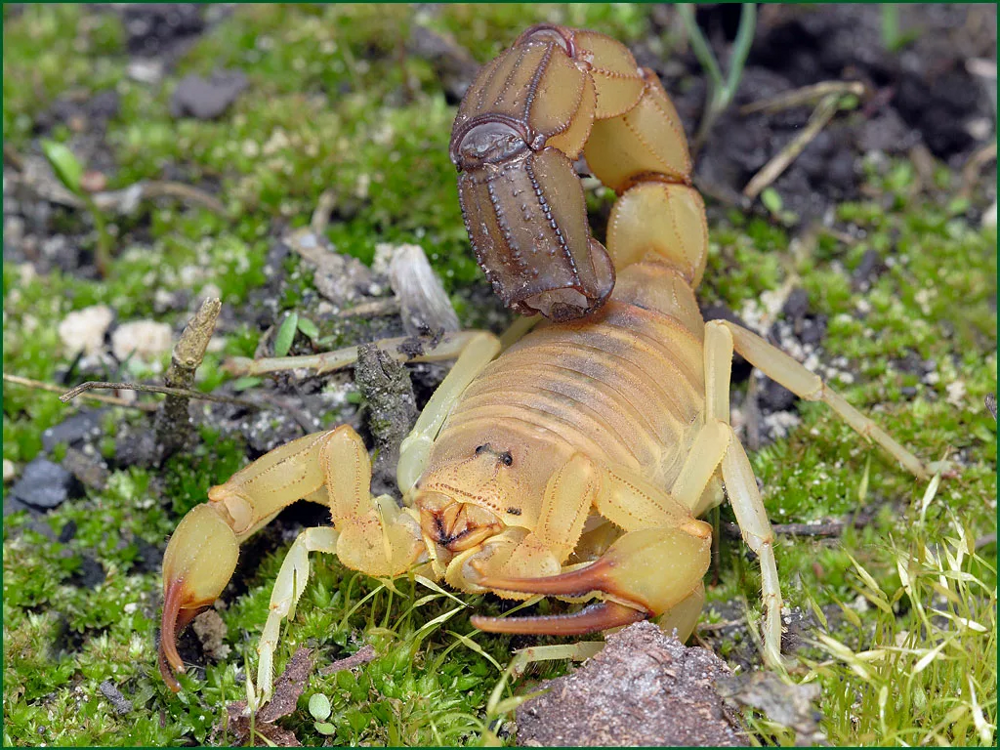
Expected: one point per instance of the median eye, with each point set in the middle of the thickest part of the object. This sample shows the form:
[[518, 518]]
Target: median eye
[[506, 458]]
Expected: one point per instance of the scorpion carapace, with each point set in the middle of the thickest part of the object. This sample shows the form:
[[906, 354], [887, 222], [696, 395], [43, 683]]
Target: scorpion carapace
[[575, 463], [529, 114]]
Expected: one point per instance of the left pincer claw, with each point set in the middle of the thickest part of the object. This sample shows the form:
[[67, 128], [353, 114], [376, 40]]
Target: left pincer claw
[[199, 561]]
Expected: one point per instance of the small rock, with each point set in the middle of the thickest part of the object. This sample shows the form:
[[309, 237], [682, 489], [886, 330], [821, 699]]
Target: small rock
[[788, 704], [207, 99], [154, 28], [424, 302], [796, 305], [145, 71], [90, 470], [644, 688], [145, 339], [339, 278], [867, 271], [121, 704], [44, 485], [90, 575], [266, 430], [93, 181], [83, 330], [83, 427], [9, 471], [68, 532], [211, 631], [135, 448], [774, 397]]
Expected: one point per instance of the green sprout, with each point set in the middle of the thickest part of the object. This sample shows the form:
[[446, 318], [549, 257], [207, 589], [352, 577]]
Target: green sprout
[[69, 170], [319, 708], [721, 91], [892, 38]]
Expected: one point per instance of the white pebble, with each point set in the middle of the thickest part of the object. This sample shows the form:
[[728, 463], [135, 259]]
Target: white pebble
[[83, 330], [146, 338]]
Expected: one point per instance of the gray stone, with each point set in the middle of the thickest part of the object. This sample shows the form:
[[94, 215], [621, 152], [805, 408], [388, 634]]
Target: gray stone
[[206, 99], [80, 428], [44, 485]]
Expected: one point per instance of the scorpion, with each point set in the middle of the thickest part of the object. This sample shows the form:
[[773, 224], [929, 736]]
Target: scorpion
[[576, 463]]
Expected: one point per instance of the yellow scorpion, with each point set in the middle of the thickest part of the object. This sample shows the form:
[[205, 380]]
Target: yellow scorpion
[[577, 462]]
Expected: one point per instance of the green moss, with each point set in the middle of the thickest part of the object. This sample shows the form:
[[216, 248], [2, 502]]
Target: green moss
[[51, 51]]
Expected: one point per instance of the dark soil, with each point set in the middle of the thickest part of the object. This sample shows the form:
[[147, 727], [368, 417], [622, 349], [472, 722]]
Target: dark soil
[[917, 95]]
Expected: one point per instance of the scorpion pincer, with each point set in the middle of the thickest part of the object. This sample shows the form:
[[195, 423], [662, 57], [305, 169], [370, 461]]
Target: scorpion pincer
[[576, 463]]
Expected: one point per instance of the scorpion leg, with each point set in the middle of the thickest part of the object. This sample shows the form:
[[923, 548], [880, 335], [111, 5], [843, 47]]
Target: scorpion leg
[[806, 385], [288, 588], [741, 485]]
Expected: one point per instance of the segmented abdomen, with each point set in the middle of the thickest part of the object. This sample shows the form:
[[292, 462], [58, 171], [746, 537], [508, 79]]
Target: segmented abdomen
[[625, 389]]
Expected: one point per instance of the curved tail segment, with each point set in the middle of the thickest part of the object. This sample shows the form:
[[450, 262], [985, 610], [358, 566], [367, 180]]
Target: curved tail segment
[[555, 94]]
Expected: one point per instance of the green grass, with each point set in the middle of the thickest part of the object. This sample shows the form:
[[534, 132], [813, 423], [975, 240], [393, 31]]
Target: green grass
[[376, 134]]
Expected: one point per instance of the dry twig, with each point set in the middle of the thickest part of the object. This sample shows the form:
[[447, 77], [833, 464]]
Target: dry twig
[[53, 388], [823, 113], [804, 95], [970, 172], [173, 421], [81, 390]]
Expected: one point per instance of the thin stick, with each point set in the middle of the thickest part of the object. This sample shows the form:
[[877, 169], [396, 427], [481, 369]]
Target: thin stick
[[52, 388], [823, 113], [188, 193], [449, 347], [975, 164], [804, 95], [140, 388], [834, 528]]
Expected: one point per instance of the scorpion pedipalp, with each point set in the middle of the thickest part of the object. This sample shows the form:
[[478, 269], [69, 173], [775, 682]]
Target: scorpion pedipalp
[[644, 573]]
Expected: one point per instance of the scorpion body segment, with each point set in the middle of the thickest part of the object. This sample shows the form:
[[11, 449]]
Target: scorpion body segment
[[576, 463], [529, 114]]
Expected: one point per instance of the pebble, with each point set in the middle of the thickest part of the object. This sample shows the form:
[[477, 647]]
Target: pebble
[[121, 704], [145, 339], [88, 468], [44, 485], [80, 428], [206, 99], [84, 330], [9, 471]]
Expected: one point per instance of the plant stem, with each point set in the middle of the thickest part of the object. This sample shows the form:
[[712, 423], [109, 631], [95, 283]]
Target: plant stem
[[102, 258], [721, 92], [891, 38]]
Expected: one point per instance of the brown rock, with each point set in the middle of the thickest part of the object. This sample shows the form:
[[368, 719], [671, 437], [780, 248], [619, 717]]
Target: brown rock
[[645, 688]]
